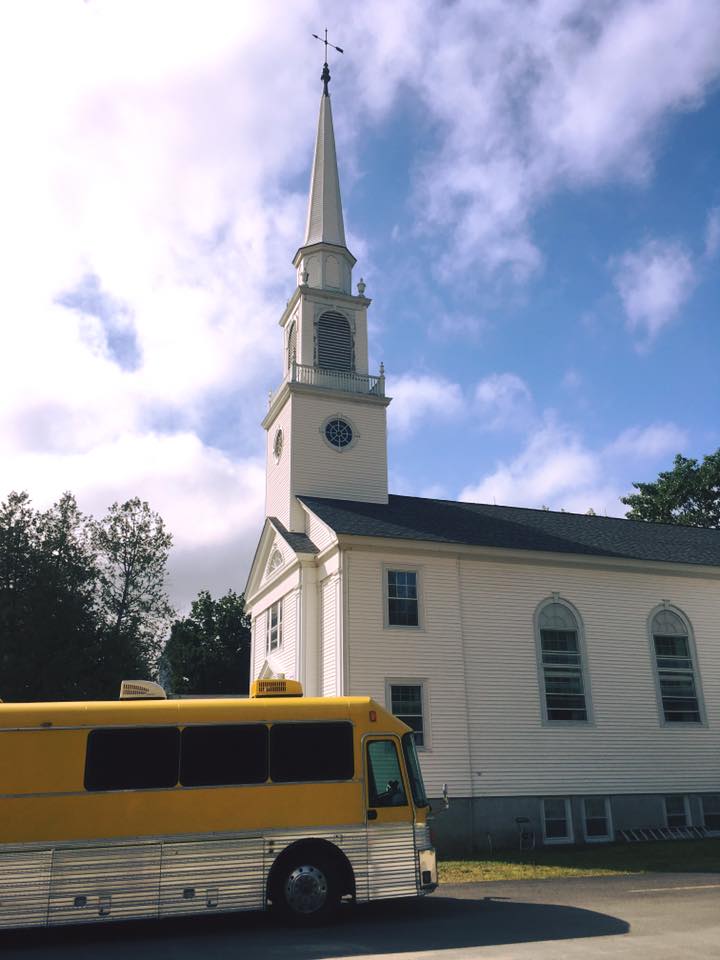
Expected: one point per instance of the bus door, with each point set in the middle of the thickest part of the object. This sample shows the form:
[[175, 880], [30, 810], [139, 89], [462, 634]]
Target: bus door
[[390, 816]]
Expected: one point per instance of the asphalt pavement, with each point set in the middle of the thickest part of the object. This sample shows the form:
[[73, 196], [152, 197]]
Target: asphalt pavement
[[653, 917]]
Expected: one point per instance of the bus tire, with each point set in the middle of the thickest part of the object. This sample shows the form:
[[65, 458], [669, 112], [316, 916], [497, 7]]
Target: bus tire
[[306, 886]]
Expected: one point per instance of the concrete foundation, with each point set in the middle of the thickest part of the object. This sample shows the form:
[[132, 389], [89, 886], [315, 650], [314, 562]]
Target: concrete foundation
[[480, 826]]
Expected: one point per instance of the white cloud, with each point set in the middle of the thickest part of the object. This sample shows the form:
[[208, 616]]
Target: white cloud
[[457, 325], [557, 469], [712, 233], [147, 155], [531, 97], [648, 442], [502, 401], [654, 282], [417, 397], [553, 465]]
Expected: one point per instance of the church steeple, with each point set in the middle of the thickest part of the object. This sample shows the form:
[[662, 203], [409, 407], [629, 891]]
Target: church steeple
[[325, 217], [326, 423], [324, 260]]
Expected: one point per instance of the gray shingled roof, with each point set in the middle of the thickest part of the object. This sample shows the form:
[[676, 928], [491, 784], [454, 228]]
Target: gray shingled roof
[[298, 542], [517, 528]]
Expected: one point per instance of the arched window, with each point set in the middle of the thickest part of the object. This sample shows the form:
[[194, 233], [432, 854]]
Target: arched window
[[334, 342], [674, 667], [291, 344], [560, 658]]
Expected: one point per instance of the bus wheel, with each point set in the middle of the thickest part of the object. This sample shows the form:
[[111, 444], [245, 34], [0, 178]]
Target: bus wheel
[[308, 888]]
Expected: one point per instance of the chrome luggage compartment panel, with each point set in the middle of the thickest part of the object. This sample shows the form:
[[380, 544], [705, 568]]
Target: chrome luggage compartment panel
[[211, 876], [24, 887], [392, 864], [104, 883]]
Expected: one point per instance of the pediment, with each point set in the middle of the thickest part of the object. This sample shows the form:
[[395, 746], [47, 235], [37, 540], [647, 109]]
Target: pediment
[[272, 557]]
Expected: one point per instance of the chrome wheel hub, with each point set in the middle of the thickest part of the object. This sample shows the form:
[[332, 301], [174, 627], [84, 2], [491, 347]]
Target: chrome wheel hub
[[306, 889]]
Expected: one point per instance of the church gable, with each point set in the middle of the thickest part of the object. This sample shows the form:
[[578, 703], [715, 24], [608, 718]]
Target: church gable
[[277, 550]]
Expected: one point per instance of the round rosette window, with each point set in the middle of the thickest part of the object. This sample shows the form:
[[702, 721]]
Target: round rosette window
[[338, 433], [278, 445]]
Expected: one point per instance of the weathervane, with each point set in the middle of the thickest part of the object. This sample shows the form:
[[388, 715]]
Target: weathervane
[[325, 76]]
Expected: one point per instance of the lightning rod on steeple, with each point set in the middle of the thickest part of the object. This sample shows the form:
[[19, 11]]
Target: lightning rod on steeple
[[325, 76]]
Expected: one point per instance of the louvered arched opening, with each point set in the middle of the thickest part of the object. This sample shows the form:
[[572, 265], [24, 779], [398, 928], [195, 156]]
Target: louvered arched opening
[[292, 344], [334, 342]]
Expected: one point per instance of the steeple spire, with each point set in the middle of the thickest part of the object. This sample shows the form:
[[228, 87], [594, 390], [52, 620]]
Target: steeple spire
[[325, 218]]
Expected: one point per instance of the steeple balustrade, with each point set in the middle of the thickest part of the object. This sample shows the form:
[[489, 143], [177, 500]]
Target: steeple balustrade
[[346, 381]]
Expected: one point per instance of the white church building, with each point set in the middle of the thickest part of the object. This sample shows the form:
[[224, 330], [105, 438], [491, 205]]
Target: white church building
[[558, 669]]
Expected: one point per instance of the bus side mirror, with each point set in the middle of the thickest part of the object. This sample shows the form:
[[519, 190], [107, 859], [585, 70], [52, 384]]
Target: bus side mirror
[[446, 798]]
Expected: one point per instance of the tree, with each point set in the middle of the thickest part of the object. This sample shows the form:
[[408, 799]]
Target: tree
[[132, 551], [209, 650], [689, 494], [48, 633]]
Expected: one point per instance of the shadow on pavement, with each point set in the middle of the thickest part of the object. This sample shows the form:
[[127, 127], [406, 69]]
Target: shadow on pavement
[[435, 923]]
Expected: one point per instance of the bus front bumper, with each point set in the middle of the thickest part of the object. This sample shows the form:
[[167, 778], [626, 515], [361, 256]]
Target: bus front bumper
[[427, 870]]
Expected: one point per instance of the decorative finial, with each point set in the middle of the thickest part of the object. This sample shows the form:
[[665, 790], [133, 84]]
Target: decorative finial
[[382, 369], [325, 75], [361, 287]]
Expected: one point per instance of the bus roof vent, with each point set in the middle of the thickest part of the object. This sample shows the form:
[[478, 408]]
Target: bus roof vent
[[276, 688], [141, 690]]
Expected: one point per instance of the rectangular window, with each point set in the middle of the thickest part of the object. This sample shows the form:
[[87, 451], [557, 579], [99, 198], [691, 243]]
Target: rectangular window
[[676, 811], [402, 598], [406, 702], [302, 752], [214, 755], [142, 758], [677, 679], [711, 812], [563, 675], [274, 626], [597, 819], [385, 782], [557, 822]]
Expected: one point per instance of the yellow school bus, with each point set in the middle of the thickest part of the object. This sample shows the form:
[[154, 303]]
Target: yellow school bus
[[149, 807]]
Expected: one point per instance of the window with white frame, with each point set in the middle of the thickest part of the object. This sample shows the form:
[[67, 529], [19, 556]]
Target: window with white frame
[[676, 811], [274, 626], [561, 664], [557, 820], [406, 702], [596, 814], [674, 668], [402, 598], [711, 811]]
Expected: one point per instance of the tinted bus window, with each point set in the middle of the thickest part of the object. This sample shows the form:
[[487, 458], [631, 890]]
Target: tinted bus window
[[143, 757], [217, 755], [311, 751]]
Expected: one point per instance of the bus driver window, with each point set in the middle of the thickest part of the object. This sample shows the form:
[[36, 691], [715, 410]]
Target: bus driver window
[[385, 783]]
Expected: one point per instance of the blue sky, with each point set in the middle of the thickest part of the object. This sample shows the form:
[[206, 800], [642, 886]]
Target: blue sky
[[531, 190]]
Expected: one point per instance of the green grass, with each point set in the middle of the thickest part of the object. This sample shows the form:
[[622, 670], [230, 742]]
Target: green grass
[[673, 856]]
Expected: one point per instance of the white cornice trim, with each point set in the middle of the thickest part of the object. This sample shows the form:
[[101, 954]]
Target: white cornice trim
[[505, 555]]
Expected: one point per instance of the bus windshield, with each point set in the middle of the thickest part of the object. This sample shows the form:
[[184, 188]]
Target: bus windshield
[[413, 768]]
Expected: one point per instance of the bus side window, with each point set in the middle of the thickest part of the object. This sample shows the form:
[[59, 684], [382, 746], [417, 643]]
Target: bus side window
[[311, 752], [217, 755], [385, 783], [132, 759]]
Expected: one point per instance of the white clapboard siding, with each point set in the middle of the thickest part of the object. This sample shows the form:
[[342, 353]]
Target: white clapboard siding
[[433, 654], [320, 534], [277, 483], [624, 748], [329, 666], [285, 657], [357, 472], [477, 653], [258, 642]]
